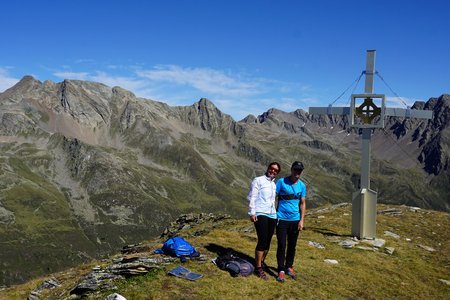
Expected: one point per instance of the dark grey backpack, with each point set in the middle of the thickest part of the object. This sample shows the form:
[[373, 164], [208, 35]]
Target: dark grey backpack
[[236, 266]]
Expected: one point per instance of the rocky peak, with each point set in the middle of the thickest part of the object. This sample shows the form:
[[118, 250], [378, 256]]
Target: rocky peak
[[208, 111], [27, 80], [271, 114], [418, 105], [205, 104], [435, 157], [250, 119], [23, 88], [293, 122], [87, 102], [123, 92], [442, 111], [211, 117], [207, 116], [443, 100]]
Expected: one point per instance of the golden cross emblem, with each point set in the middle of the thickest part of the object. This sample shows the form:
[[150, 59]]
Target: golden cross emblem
[[367, 111]]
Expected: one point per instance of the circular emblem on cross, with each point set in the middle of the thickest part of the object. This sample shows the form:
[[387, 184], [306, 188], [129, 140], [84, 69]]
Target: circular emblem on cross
[[367, 111]]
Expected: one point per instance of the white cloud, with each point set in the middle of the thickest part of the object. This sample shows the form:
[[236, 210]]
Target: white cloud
[[125, 82], [238, 109], [236, 94], [130, 83], [209, 81], [308, 101], [400, 102], [6, 80], [148, 93], [72, 75], [84, 61], [288, 104]]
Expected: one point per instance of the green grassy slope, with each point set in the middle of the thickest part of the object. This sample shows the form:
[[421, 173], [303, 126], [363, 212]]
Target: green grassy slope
[[411, 272]]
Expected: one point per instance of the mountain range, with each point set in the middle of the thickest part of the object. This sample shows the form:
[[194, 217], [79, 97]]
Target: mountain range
[[86, 168]]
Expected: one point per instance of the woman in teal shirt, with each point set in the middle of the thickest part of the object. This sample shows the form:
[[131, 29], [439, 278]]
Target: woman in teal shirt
[[291, 197]]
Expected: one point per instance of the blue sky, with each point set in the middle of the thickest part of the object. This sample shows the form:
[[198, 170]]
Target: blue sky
[[245, 56]]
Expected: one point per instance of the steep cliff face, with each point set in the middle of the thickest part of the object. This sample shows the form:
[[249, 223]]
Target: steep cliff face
[[206, 116], [425, 143], [98, 167], [435, 137]]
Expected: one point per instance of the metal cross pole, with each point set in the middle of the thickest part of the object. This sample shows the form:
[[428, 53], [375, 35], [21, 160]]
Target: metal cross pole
[[367, 116]]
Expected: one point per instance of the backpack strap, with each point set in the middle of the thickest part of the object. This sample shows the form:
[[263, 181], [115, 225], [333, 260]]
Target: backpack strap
[[159, 251]]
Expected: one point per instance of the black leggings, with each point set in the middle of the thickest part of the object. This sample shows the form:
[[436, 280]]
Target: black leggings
[[265, 227], [286, 230]]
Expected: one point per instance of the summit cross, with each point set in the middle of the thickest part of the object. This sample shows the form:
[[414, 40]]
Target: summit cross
[[367, 116]]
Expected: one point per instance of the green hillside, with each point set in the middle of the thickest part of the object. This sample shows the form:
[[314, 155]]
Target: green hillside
[[417, 268]]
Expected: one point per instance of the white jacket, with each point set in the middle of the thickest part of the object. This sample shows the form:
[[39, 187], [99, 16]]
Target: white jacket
[[261, 197]]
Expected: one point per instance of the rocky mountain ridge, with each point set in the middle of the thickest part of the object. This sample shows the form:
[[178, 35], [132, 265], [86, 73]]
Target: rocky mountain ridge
[[92, 167]]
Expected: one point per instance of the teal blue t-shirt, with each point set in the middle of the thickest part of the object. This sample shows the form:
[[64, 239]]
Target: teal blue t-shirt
[[289, 197]]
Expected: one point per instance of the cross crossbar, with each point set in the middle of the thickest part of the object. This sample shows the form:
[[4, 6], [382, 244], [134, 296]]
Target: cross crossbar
[[408, 113], [329, 111], [388, 112]]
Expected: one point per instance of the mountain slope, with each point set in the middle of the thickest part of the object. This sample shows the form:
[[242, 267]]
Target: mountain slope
[[410, 265], [92, 167]]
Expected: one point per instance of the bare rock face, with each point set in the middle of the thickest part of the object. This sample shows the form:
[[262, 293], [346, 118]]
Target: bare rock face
[[250, 119], [209, 116], [205, 115], [435, 137], [6, 216], [86, 102], [319, 145]]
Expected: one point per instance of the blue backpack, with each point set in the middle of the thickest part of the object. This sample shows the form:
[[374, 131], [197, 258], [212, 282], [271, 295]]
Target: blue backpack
[[179, 247]]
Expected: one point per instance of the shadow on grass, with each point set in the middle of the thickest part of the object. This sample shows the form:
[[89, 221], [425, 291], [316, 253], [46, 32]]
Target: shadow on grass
[[328, 232], [220, 251]]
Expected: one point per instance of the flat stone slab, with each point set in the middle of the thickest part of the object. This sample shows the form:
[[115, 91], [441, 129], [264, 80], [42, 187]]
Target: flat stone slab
[[331, 261], [428, 248], [391, 234], [367, 248], [317, 245], [348, 244], [376, 242], [389, 250]]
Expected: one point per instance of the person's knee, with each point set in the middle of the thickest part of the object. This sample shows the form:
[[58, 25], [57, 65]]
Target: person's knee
[[261, 246]]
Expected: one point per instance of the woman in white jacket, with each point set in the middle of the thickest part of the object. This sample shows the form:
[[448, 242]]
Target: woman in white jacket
[[262, 212]]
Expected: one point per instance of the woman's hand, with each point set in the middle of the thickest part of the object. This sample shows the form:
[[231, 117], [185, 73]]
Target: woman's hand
[[300, 225], [253, 218]]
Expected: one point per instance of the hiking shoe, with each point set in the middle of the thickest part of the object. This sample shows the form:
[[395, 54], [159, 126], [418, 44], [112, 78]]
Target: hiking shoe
[[260, 273], [264, 266], [290, 272], [280, 277]]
